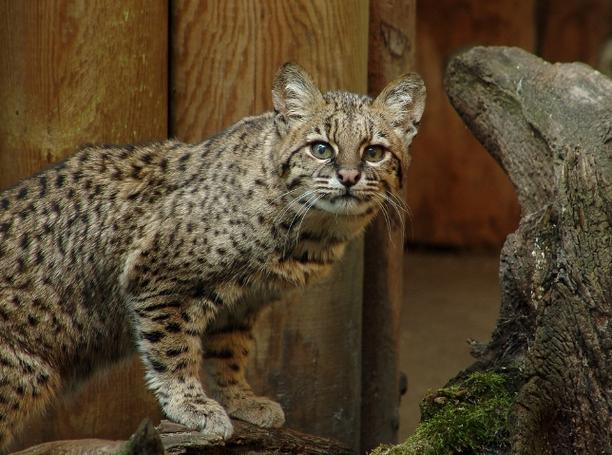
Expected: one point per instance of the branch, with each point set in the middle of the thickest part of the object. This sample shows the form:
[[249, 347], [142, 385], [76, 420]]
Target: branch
[[175, 439]]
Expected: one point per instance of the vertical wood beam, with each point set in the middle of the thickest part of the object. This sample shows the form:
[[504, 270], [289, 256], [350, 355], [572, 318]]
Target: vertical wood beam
[[391, 54], [77, 72], [224, 57]]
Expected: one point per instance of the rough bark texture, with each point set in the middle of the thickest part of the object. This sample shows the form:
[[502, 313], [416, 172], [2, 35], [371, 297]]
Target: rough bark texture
[[550, 128], [173, 439]]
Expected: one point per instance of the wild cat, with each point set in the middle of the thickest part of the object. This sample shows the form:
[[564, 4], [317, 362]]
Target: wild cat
[[150, 248]]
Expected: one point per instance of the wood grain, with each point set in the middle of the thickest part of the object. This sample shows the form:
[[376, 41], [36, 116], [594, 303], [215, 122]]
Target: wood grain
[[78, 72], [391, 54], [109, 406], [75, 72], [225, 54], [224, 57], [458, 194], [573, 30]]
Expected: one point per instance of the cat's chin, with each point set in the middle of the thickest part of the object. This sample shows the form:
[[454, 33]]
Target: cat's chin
[[341, 206]]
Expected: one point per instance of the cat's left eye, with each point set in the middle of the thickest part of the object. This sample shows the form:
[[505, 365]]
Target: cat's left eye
[[374, 153]]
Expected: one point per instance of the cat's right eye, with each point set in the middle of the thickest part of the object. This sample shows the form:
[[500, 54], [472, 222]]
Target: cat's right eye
[[321, 150]]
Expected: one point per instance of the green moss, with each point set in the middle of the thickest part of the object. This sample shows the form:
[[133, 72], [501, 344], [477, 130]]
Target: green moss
[[464, 418]]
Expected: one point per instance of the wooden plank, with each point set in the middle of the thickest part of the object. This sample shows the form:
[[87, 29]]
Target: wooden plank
[[224, 56], [458, 194], [574, 30], [78, 72], [391, 54], [75, 72]]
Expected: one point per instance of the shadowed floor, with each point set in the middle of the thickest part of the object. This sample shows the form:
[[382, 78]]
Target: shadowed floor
[[449, 298]]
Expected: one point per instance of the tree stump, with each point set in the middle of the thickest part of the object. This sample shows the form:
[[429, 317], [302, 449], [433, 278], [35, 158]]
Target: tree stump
[[546, 372], [550, 128]]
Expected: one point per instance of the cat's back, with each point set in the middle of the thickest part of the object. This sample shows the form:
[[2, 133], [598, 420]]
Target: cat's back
[[59, 213], [63, 235]]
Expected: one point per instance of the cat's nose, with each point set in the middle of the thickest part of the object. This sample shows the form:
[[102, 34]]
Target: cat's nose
[[348, 177]]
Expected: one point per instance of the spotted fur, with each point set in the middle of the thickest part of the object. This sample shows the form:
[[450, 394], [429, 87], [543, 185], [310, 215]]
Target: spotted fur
[[151, 248]]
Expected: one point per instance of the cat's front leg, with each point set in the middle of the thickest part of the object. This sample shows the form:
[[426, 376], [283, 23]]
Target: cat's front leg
[[168, 331], [225, 359]]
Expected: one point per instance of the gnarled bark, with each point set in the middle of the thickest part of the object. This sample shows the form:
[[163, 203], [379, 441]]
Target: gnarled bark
[[550, 128]]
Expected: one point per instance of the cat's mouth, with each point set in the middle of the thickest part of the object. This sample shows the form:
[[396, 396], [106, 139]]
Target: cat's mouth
[[346, 196], [345, 203]]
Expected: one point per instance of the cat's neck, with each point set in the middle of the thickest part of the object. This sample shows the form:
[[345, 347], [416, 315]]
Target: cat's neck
[[314, 230]]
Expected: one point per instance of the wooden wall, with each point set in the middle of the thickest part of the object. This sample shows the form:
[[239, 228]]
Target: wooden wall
[[75, 72], [459, 196], [574, 30]]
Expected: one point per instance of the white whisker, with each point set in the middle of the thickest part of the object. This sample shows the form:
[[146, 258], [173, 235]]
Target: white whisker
[[304, 208], [297, 234]]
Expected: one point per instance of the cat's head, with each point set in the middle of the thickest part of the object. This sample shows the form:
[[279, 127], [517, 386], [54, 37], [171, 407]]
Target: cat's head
[[340, 152]]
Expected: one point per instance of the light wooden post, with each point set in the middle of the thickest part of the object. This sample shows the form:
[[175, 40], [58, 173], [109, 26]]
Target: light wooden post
[[74, 72], [224, 56], [391, 54]]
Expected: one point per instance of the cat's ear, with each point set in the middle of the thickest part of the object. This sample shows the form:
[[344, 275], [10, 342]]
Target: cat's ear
[[294, 94], [403, 101]]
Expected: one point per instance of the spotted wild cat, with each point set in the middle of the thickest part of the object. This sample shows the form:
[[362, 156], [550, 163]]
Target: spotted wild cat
[[150, 248]]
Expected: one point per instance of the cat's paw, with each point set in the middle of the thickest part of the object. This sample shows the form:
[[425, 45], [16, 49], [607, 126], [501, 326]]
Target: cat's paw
[[260, 411], [205, 415]]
